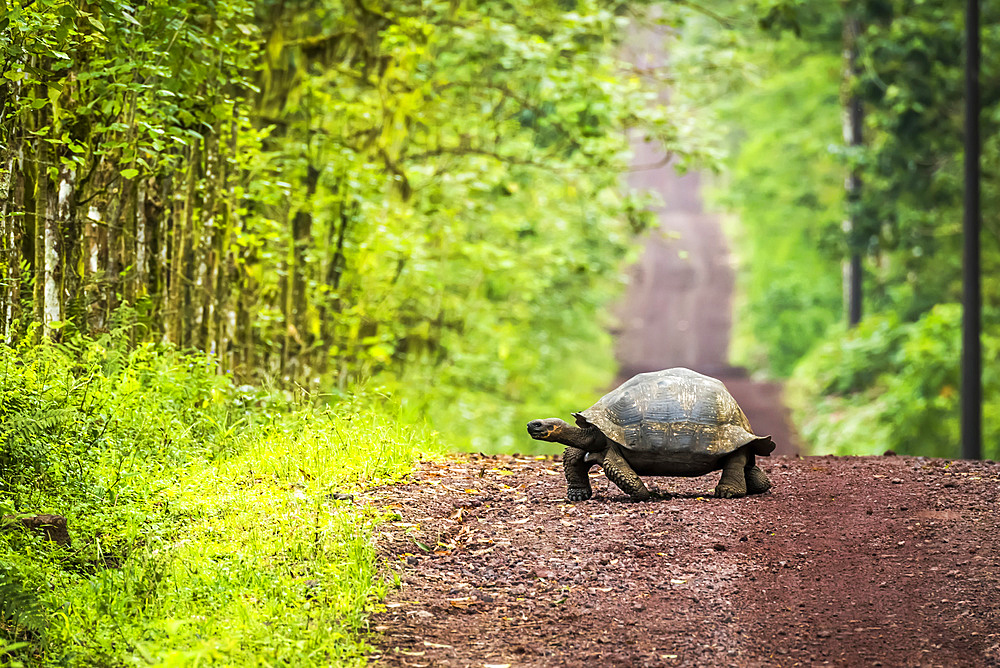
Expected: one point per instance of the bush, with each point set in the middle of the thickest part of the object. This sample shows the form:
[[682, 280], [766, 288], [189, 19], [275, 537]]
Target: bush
[[888, 385]]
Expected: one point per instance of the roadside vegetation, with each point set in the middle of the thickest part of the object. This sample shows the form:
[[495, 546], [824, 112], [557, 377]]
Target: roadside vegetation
[[892, 382], [210, 523]]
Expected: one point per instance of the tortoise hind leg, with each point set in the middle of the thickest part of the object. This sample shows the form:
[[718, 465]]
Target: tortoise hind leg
[[619, 472], [757, 480], [733, 483], [576, 467]]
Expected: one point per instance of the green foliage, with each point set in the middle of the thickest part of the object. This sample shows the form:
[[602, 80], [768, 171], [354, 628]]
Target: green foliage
[[888, 385], [776, 108], [331, 192], [891, 383], [188, 500]]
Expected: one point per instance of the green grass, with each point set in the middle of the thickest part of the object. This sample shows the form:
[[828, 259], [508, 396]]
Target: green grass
[[207, 520]]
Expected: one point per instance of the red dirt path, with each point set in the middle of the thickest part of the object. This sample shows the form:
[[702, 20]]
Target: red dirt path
[[879, 561], [883, 561]]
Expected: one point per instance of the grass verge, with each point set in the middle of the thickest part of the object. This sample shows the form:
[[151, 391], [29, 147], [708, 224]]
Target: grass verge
[[210, 524]]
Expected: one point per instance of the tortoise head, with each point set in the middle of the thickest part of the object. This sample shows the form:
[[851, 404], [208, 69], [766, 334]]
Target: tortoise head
[[548, 429]]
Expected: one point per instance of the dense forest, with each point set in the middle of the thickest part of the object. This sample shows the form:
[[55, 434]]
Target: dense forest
[[257, 255], [325, 193], [781, 109]]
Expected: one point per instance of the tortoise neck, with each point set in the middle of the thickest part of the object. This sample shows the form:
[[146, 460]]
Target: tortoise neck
[[589, 439]]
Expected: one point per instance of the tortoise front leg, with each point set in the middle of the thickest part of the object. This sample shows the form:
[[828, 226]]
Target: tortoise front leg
[[733, 483], [619, 472], [577, 467]]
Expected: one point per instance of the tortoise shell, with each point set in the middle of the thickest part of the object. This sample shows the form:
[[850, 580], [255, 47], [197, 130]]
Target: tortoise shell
[[675, 412]]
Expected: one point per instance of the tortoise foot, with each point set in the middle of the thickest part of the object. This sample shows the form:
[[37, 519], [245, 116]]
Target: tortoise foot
[[729, 491], [757, 481], [642, 495], [578, 494]]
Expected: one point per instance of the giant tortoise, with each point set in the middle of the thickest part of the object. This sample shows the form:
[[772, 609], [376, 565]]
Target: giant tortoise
[[674, 422]]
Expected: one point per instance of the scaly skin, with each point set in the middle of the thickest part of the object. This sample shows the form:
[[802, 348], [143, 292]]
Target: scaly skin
[[577, 467], [619, 472], [733, 483], [757, 480]]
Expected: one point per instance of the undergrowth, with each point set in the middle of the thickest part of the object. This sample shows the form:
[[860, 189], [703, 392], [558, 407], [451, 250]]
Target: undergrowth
[[891, 385], [210, 523]]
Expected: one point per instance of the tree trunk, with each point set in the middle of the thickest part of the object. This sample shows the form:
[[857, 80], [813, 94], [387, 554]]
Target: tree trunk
[[141, 242], [180, 250], [113, 251], [853, 137], [8, 257], [42, 213], [159, 270], [330, 306], [298, 338], [53, 310]]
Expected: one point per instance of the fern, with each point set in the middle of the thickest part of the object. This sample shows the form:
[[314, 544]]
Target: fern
[[20, 612], [43, 423]]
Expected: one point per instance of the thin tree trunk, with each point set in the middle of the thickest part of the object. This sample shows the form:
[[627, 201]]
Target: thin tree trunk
[[112, 258], [205, 261], [14, 239], [245, 333], [6, 225], [42, 212], [95, 241], [298, 339], [853, 137], [180, 251], [334, 270], [224, 267], [128, 245], [159, 271], [60, 203], [141, 242]]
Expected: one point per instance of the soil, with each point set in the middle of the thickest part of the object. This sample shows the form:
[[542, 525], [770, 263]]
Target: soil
[[878, 561]]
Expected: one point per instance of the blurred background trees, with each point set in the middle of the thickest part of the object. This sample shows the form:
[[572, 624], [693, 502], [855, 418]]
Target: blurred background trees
[[429, 194], [892, 383]]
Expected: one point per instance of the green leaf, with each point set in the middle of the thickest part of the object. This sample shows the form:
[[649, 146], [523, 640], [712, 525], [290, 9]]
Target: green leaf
[[131, 19], [130, 173]]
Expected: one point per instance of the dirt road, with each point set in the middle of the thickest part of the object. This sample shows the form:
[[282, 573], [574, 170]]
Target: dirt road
[[885, 561], [678, 307], [879, 561]]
